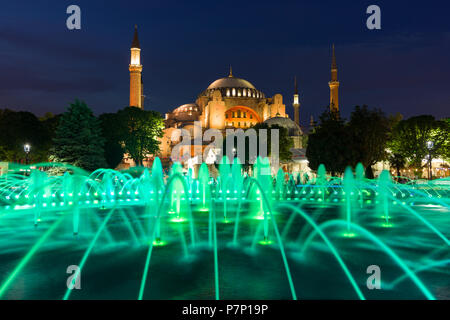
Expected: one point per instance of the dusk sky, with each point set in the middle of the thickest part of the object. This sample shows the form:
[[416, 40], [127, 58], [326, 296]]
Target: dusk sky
[[404, 67]]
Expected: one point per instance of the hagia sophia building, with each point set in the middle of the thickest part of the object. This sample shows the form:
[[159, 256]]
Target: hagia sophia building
[[228, 103]]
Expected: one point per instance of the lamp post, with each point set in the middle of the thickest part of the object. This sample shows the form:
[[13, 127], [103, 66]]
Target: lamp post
[[430, 145], [27, 149]]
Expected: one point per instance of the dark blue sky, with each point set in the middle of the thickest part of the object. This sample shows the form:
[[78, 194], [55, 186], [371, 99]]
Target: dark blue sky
[[405, 67]]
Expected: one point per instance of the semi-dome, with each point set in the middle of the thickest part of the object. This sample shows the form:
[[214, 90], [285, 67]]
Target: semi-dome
[[187, 112], [186, 108], [293, 128]]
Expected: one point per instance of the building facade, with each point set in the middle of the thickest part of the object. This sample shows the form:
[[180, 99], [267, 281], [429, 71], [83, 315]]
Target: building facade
[[230, 103], [227, 103]]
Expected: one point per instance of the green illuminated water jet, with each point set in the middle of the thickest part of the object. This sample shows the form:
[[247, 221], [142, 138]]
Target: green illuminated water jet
[[160, 236]]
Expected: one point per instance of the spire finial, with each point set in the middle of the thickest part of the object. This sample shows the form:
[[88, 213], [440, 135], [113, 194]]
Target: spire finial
[[295, 85], [333, 59], [135, 43], [231, 72]]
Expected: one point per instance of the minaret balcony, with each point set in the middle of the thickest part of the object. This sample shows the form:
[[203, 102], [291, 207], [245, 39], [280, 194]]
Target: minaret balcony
[[135, 68]]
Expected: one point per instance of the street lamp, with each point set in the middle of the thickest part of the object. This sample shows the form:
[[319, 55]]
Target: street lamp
[[27, 149], [430, 145]]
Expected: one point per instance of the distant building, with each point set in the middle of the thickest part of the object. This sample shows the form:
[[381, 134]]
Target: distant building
[[334, 84], [136, 85], [228, 103]]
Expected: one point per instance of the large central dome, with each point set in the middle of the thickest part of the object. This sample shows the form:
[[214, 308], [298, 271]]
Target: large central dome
[[233, 87], [230, 82]]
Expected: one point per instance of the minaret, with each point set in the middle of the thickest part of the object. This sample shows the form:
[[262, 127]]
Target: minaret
[[311, 121], [142, 93], [296, 103], [334, 85], [136, 94]]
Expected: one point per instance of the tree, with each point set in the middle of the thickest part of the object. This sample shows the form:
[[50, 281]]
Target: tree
[[330, 144], [409, 138], [285, 143], [19, 128], [113, 148], [78, 139], [445, 148], [397, 161], [50, 122], [139, 132], [370, 132]]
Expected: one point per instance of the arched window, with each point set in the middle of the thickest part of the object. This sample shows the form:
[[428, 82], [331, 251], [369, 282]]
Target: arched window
[[234, 92]]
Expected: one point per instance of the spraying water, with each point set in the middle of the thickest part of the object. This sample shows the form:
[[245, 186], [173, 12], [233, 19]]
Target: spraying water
[[154, 225]]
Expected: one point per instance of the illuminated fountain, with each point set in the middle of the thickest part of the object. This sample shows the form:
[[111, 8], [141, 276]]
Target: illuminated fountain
[[144, 235]]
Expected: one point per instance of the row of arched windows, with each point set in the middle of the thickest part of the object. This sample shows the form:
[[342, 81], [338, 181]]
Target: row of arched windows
[[240, 124], [251, 93], [186, 109], [239, 92], [238, 114]]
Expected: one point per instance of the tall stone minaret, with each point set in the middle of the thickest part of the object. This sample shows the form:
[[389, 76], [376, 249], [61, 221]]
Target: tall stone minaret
[[296, 103], [136, 96], [334, 85], [311, 121]]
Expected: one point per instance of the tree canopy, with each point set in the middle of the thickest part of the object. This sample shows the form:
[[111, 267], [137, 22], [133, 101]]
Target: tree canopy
[[285, 143], [330, 144], [78, 138], [369, 131], [114, 150], [138, 131], [20, 128], [409, 139]]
